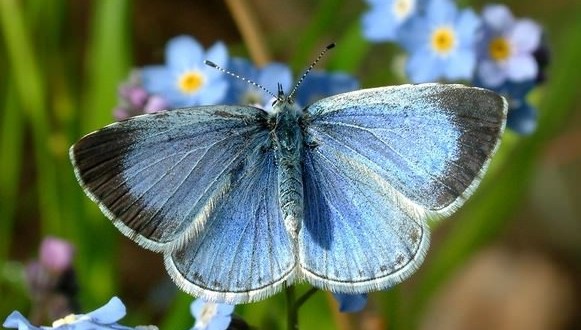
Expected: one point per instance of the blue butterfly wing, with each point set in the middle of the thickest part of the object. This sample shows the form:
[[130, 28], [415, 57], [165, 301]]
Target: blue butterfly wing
[[157, 176], [243, 253], [379, 163]]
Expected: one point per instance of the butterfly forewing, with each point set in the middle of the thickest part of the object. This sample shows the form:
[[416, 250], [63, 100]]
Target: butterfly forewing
[[157, 176], [432, 142]]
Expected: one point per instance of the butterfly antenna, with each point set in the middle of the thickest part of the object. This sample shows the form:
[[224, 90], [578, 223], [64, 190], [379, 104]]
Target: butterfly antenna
[[302, 78], [255, 84]]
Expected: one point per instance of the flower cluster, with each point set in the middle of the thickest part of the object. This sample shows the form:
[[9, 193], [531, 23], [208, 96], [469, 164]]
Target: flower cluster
[[51, 280], [443, 42], [185, 81], [53, 289], [103, 318]]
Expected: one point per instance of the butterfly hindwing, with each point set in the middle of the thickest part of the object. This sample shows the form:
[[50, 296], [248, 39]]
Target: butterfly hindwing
[[156, 176], [244, 252], [359, 235]]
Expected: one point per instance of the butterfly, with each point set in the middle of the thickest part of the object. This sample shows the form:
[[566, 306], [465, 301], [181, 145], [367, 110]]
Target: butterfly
[[243, 201]]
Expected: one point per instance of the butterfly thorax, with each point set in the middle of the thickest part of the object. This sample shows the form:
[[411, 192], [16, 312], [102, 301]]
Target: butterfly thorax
[[287, 140]]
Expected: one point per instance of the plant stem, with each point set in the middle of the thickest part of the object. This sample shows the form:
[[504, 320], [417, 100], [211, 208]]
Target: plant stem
[[292, 311], [293, 306], [251, 32]]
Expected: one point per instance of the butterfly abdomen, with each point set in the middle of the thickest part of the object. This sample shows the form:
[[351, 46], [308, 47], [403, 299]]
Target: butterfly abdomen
[[288, 144]]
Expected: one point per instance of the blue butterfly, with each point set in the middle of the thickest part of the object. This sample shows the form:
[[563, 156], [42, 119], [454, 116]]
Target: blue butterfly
[[242, 202]]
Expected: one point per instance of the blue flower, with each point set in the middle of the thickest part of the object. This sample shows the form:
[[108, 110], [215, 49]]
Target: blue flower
[[385, 17], [351, 303], [441, 43], [319, 84], [507, 47], [185, 80], [211, 316], [105, 317], [242, 92], [316, 85], [522, 116]]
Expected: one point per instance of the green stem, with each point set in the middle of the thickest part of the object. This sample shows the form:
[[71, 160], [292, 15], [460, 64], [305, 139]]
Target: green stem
[[30, 88], [305, 297], [294, 305], [293, 313]]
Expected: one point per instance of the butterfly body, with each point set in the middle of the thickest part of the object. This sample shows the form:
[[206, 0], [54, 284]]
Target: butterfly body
[[288, 140], [242, 201]]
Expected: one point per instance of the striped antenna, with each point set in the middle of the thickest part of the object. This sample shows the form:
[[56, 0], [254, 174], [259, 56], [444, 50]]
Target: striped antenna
[[321, 54], [255, 84]]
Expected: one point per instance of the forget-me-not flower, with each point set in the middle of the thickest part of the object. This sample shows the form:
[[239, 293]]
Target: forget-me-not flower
[[105, 317], [440, 43], [385, 18], [320, 84], [351, 303], [185, 80], [522, 116], [269, 76], [211, 316], [507, 47]]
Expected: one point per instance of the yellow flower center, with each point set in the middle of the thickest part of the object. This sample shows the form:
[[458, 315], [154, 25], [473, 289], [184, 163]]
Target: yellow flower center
[[190, 82], [65, 320], [403, 8], [443, 40], [208, 312], [499, 49]]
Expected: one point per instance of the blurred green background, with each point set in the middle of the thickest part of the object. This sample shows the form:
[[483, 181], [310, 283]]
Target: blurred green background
[[509, 259]]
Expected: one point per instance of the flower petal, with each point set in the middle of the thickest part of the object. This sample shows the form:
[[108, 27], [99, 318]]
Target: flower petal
[[461, 65], [273, 74], [441, 11], [497, 17], [491, 73], [111, 312], [184, 53], [16, 321], [525, 36], [213, 93], [521, 68], [523, 119], [157, 79], [196, 307], [413, 35], [225, 309], [466, 27], [219, 323], [376, 26], [155, 103], [218, 54], [351, 303], [423, 66]]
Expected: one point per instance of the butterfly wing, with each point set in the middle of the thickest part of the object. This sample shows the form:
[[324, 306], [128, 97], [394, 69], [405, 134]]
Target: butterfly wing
[[157, 176], [380, 162], [244, 252], [199, 185]]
